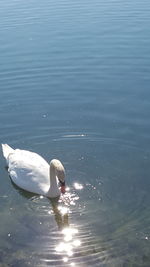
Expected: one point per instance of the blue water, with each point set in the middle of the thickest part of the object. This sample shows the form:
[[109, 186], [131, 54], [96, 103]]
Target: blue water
[[74, 85]]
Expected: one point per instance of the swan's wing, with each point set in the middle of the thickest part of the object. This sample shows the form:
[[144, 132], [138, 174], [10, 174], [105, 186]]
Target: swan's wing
[[29, 171], [29, 156]]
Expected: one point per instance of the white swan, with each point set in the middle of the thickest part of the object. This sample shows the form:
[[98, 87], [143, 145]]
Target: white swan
[[31, 172]]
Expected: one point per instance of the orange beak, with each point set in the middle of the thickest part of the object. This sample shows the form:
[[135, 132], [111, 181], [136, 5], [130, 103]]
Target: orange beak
[[63, 189]]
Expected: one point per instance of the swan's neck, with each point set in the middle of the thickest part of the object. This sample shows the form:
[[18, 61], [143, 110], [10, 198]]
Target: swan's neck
[[53, 189]]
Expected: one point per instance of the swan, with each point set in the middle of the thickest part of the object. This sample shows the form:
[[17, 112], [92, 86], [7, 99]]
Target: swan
[[31, 172]]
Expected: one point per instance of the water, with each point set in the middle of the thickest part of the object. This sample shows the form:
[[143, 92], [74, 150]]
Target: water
[[74, 85]]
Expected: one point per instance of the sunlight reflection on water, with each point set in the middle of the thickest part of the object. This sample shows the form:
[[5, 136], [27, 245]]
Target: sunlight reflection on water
[[69, 242], [78, 186]]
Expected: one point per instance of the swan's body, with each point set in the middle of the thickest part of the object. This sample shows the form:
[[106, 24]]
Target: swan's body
[[31, 172]]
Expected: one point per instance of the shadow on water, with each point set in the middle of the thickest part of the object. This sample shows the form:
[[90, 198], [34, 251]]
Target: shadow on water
[[61, 219]]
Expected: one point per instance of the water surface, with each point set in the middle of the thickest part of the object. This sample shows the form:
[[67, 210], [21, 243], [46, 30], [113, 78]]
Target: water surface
[[74, 85]]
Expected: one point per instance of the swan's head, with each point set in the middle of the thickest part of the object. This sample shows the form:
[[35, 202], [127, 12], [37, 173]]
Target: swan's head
[[60, 173]]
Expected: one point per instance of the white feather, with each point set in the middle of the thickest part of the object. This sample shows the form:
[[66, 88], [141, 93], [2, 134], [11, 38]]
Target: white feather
[[31, 172]]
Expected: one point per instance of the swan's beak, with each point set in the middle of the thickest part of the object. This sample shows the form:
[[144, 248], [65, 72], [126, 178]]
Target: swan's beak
[[62, 187]]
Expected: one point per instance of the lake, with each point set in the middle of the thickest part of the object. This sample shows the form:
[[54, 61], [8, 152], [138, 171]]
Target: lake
[[75, 85]]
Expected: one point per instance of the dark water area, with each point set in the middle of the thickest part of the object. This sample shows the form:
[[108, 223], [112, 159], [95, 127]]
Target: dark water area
[[74, 85]]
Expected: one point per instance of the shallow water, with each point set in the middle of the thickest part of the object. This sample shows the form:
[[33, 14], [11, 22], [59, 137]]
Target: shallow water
[[74, 85]]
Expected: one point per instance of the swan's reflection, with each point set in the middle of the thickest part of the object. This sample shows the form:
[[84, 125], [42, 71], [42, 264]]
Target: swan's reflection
[[66, 247], [60, 213], [60, 209]]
